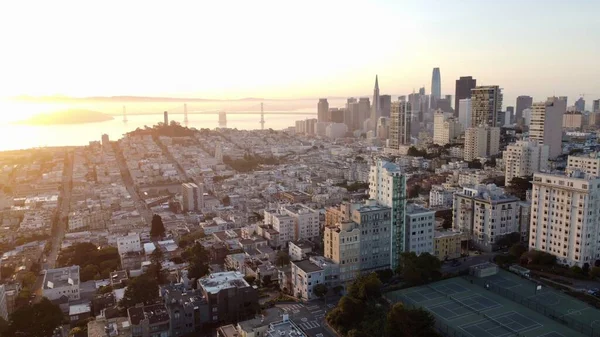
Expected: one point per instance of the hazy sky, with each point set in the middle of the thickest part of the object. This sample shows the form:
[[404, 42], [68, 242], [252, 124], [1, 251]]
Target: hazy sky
[[292, 49]]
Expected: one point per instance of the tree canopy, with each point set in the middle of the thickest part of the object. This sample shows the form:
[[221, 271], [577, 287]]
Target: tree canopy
[[402, 322], [519, 186], [158, 228], [282, 258], [37, 320], [320, 290], [142, 289], [95, 262], [197, 258], [419, 269]]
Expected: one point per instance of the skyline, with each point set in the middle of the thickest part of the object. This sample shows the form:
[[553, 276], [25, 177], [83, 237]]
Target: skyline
[[174, 51]]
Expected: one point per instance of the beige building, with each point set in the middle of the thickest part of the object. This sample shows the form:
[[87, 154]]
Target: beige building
[[486, 105], [545, 124], [342, 245], [482, 141], [400, 124], [589, 164], [445, 128], [448, 244], [524, 158], [572, 120]]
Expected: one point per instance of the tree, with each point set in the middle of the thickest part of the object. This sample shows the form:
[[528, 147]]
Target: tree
[[282, 258], [266, 280], [595, 272], [38, 320], [419, 269], [519, 186], [142, 289], [89, 272], [197, 258], [226, 201], [508, 240], [320, 290], [476, 164], [517, 250], [250, 279], [158, 228], [347, 314], [365, 287], [401, 322]]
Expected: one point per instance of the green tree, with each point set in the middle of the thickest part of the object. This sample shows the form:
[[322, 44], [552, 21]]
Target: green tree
[[320, 290], [517, 250], [419, 269], [29, 279], [142, 289], [519, 186], [595, 272], [508, 240], [282, 258], [365, 287], [38, 320], [347, 314], [401, 322], [157, 228], [89, 272], [197, 258]]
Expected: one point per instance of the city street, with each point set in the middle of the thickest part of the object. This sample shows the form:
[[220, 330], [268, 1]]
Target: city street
[[310, 317]]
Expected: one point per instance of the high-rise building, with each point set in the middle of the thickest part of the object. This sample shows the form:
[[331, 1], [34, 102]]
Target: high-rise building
[[445, 128], [444, 104], [385, 104], [387, 185], [523, 102], [482, 141], [420, 226], [486, 105], [375, 108], [166, 117], [589, 164], [364, 111], [335, 115], [400, 125], [580, 104], [463, 90], [572, 120], [486, 214], [565, 216], [105, 141], [193, 196], [524, 158], [510, 115], [322, 110], [545, 126], [219, 152], [351, 115], [464, 113], [596, 105], [436, 87]]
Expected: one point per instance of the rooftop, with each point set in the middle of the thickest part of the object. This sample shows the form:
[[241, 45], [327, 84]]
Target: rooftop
[[302, 244], [116, 327], [216, 282], [412, 209], [286, 328], [79, 309], [307, 266], [156, 313], [271, 315], [446, 233], [228, 331], [61, 277]]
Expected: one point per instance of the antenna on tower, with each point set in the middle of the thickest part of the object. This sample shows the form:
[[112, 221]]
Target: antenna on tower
[[185, 116], [262, 117], [124, 115]]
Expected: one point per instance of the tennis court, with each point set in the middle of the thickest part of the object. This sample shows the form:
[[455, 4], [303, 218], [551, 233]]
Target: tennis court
[[564, 308], [465, 309]]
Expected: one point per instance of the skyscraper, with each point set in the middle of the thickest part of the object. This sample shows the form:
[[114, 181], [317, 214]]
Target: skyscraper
[[580, 105], [436, 87], [486, 105], [322, 110], [193, 196], [400, 124], [510, 114], [596, 105], [375, 108], [523, 102], [166, 117], [464, 113], [463, 90], [546, 124], [385, 103], [364, 111]]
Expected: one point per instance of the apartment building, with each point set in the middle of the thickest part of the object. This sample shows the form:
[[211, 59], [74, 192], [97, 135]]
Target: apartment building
[[448, 243], [61, 282], [342, 245], [129, 243], [545, 124], [486, 214], [486, 105], [565, 216], [374, 222], [445, 128], [481, 141], [523, 159], [589, 164], [149, 321], [440, 196], [420, 225], [230, 298], [193, 197]]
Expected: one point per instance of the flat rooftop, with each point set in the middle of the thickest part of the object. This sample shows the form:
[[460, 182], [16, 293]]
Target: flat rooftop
[[156, 313], [271, 315], [447, 233], [216, 282], [284, 329], [61, 277], [307, 266], [117, 327]]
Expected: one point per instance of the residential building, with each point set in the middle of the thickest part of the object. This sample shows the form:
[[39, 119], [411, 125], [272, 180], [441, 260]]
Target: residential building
[[322, 110], [523, 102], [448, 244], [400, 124], [420, 224], [61, 282], [342, 246], [589, 164], [305, 276], [482, 141], [193, 196], [112, 327], [523, 159], [463, 91], [464, 113], [297, 250], [572, 120], [546, 124], [255, 327], [387, 185], [129, 243], [524, 216], [440, 196], [565, 216], [230, 298], [510, 115], [187, 309], [445, 128], [336, 130], [486, 105], [486, 214], [149, 321]]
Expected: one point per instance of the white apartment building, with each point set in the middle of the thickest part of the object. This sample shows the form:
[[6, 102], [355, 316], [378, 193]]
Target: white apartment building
[[336, 130], [193, 196], [481, 141], [293, 222], [61, 282], [342, 245], [445, 128], [308, 273], [545, 125], [297, 250], [464, 113], [589, 164], [523, 159], [420, 226], [129, 243], [439, 196], [565, 216], [486, 214]]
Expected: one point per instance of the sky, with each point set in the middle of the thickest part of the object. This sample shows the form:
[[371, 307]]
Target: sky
[[297, 49]]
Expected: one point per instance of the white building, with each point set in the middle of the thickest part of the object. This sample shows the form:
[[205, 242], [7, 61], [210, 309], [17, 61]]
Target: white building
[[293, 222], [336, 130], [439, 196], [486, 214], [482, 141], [129, 243], [297, 250], [464, 113], [524, 158], [589, 164], [420, 226], [546, 124], [308, 273], [565, 216], [61, 282], [193, 196], [445, 128]]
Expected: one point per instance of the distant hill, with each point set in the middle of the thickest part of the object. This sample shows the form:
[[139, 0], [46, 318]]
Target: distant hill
[[67, 117]]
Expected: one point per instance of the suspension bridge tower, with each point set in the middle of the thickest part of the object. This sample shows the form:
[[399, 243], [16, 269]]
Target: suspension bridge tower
[[185, 115], [124, 115], [262, 117]]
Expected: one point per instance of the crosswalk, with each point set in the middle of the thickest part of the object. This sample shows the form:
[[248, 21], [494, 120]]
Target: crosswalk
[[312, 307], [309, 325], [294, 308]]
